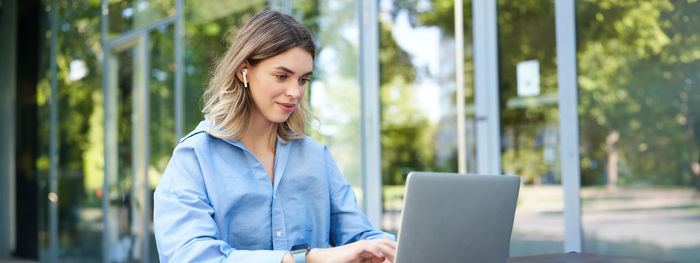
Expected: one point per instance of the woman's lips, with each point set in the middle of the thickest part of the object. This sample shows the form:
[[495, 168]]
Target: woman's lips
[[287, 107]]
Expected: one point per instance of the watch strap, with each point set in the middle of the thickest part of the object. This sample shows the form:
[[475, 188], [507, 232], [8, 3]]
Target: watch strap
[[299, 257], [299, 252]]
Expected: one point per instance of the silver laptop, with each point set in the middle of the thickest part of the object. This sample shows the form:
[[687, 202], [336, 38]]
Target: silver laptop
[[457, 218]]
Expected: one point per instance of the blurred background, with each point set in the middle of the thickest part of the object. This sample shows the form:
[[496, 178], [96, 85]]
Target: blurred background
[[95, 94]]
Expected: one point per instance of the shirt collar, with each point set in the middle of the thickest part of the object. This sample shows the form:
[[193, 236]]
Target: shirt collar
[[282, 149], [281, 157]]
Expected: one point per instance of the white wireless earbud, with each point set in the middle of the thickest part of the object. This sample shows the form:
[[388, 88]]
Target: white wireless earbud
[[245, 77]]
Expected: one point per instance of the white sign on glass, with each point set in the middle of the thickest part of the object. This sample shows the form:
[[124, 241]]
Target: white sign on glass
[[528, 78]]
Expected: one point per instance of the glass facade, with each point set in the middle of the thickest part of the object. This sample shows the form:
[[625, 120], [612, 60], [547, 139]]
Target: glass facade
[[209, 28], [78, 108], [126, 15], [418, 95], [120, 97], [334, 92], [529, 114], [638, 114]]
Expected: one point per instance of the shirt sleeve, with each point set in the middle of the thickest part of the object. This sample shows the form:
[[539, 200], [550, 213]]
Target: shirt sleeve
[[348, 222], [182, 216]]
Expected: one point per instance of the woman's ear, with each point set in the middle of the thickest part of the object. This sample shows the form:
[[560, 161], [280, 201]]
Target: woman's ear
[[242, 72]]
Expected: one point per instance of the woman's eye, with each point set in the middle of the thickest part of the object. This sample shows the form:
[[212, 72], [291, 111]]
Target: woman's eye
[[303, 81], [281, 77]]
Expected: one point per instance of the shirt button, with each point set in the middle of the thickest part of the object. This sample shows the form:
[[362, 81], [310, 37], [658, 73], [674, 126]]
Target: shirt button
[[279, 233]]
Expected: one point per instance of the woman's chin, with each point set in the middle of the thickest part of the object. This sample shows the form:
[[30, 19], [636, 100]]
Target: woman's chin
[[279, 119]]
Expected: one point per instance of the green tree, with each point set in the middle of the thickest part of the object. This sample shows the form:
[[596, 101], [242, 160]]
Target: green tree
[[637, 80], [406, 133]]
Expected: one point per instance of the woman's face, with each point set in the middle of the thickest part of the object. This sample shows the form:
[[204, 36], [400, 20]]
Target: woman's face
[[277, 84]]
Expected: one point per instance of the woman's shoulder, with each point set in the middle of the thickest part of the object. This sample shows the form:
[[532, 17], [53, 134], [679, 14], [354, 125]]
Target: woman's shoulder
[[309, 144], [198, 137]]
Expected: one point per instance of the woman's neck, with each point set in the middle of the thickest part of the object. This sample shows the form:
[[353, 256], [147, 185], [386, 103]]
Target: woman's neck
[[261, 134]]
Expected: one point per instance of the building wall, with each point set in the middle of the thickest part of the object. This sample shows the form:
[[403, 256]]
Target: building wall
[[8, 29], [639, 118]]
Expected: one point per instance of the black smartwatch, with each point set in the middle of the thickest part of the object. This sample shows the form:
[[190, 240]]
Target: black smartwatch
[[299, 253]]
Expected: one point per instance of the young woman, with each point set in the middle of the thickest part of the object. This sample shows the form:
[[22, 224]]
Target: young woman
[[247, 185]]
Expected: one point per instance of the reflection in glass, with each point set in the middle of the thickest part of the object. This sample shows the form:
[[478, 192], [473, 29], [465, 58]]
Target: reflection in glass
[[334, 93], [417, 94], [80, 141], [640, 131], [126, 15], [161, 135], [530, 123], [141, 76], [210, 27], [125, 204]]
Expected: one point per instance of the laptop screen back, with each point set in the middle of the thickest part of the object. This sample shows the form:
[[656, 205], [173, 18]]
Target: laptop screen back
[[457, 218]]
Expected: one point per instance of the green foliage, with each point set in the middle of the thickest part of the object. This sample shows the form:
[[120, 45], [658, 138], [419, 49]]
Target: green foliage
[[635, 76], [210, 28], [438, 13], [638, 67], [526, 163], [411, 141], [638, 75], [394, 62], [405, 131], [407, 135]]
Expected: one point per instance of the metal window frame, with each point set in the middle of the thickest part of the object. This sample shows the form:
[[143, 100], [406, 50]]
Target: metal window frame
[[459, 86], [368, 19], [53, 136], [488, 144], [565, 22], [130, 39], [179, 68], [487, 104], [368, 68], [8, 118], [141, 138], [282, 6]]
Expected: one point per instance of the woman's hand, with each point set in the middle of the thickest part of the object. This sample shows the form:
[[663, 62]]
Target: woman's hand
[[363, 251]]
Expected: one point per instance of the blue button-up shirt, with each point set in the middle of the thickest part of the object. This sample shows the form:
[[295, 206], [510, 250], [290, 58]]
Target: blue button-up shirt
[[215, 202]]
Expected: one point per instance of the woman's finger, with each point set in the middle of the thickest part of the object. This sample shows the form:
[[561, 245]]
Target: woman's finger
[[370, 252], [382, 250], [388, 242], [387, 251]]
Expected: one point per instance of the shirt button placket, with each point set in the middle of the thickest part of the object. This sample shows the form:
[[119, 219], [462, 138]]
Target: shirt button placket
[[278, 227]]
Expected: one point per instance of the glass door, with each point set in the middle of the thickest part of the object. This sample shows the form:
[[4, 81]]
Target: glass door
[[126, 144], [639, 106], [528, 99]]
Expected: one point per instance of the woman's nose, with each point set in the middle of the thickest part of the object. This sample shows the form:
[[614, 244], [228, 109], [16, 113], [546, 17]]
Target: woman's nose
[[294, 90]]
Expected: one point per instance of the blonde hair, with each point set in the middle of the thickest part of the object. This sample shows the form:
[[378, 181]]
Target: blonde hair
[[227, 102]]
